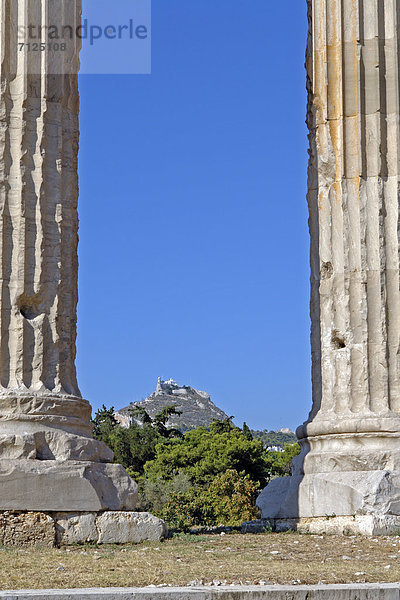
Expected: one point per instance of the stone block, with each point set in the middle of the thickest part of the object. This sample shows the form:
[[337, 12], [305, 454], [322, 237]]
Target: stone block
[[332, 495], [79, 528], [110, 527], [129, 528], [65, 486], [256, 526]]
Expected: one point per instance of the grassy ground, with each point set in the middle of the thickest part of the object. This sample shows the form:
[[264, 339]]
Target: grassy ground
[[243, 559]]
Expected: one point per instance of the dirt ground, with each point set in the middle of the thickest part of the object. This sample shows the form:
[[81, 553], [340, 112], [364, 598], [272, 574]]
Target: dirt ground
[[286, 558]]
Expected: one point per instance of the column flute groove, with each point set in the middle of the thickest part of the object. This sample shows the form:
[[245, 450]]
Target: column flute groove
[[390, 112]]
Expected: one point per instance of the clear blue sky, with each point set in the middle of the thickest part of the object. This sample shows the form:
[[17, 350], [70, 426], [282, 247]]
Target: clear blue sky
[[193, 219]]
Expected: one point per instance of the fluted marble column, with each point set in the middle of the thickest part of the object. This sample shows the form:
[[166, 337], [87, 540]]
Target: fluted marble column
[[48, 460], [38, 203], [353, 199], [350, 460]]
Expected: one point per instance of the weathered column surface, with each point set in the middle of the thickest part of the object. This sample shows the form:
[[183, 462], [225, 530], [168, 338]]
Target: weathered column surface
[[350, 460], [48, 459]]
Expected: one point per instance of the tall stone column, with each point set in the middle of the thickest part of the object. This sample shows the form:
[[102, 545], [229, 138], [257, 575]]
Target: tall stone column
[[48, 459], [349, 467]]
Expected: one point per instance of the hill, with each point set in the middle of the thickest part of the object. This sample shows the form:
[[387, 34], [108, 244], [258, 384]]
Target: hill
[[196, 406]]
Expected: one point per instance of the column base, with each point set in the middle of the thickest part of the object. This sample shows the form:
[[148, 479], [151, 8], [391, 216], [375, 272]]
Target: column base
[[337, 500], [50, 529], [49, 460], [55, 485], [356, 525]]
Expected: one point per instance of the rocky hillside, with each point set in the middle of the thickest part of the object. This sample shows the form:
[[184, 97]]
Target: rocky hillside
[[197, 407]]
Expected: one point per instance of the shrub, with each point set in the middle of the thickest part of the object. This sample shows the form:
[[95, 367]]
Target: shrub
[[228, 500], [154, 495], [233, 498]]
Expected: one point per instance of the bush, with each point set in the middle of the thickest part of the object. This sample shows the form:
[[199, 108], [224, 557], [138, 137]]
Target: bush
[[228, 500], [154, 495], [233, 497]]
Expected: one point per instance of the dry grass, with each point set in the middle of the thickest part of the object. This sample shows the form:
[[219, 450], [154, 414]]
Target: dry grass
[[233, 558]]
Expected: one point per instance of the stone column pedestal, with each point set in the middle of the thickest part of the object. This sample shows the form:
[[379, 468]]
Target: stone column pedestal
[[348, 473]]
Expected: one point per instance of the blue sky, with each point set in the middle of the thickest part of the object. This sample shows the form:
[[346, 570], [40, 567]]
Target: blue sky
[[193, 218]]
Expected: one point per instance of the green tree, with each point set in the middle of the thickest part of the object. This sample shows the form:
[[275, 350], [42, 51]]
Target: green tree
[[224, 426], [161, 419], [104, 424], [279, 463], [247, 432], [274, 438], [135, 445], [139, 413], [204, 477], [203, 454]]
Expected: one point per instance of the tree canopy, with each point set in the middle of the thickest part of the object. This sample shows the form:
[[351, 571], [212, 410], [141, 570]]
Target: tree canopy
[[204, 476]]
